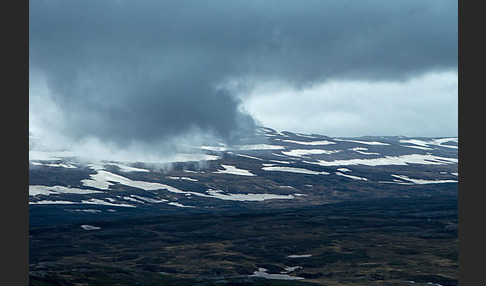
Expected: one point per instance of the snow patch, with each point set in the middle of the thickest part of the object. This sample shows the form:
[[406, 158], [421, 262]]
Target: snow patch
[[434, 142], [245, 197], [87, 211], [258, 147], [179, 205], [289, 269], [262, 273], [303, 152], [60, 164], [228, 169], [249, 157], [35, 190], [104, 203], [361, 150], [363, 142], [322, 142], [193, 172], [149, 200], [48, 202], [420, 181], [293, 170], [133, 200], [182, 178], [351, 176], [104, 179], [306, 136], [299, 255], [90, 227], [426, 159], [281, 162]]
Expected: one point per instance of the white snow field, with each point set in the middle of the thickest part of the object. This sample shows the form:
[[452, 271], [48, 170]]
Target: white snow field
[[351, 176], [304, 152], [35, 190], [312, 143], [247, 156], [90, 227], [232, 170], [362, 150], [299, 255], [245, 197], [175, 204], [104, 179], [363, 142], [262, 273], [293, 170], [49, 202], [420, 181], [60, 164], [258, 147], [434, 142], [182, 178], [426, 159], [297, 154], [93, 201]]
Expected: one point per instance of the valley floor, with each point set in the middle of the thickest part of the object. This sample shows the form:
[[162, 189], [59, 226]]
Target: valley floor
[[392, 241]]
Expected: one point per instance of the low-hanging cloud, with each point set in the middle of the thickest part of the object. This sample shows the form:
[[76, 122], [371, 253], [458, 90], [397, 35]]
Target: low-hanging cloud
[[146, 71]]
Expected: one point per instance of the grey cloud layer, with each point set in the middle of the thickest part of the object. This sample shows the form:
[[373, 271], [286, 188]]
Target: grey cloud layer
[[149, 70]]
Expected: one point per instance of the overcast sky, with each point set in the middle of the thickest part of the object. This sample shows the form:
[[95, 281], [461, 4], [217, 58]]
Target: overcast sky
[[148, 71]]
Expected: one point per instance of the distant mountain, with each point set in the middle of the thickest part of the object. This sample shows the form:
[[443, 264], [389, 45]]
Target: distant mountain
[[271, 170]]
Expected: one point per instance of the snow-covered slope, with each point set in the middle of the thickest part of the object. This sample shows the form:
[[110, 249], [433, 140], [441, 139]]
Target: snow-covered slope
[[272, 169]]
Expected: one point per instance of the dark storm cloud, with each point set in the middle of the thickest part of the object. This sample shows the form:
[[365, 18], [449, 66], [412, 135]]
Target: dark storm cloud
[[149, 70]]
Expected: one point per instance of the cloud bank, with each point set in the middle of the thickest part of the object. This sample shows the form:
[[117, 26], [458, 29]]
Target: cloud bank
[[422, 106], [129, 72]]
